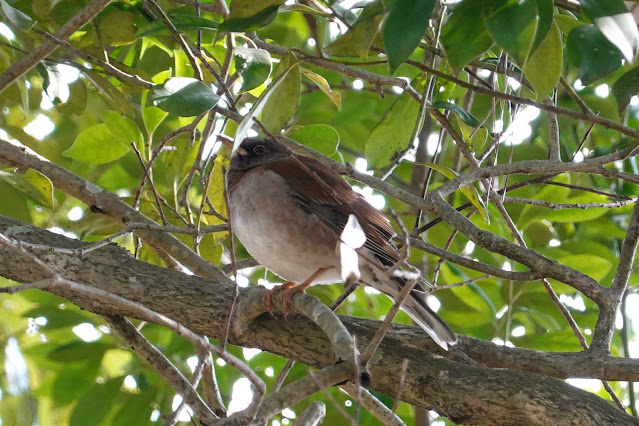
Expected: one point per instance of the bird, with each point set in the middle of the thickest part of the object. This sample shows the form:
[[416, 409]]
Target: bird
[[290, 212]]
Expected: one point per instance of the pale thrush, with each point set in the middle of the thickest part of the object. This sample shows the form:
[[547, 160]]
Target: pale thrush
[[290, 211]]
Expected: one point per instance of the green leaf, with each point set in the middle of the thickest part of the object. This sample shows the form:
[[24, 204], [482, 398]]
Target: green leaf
[[14, 203], [471, 295], [250, 23], [549, 193], [94, 405], [406, 23], [16, 17], [216, 189], [254, 65], [180, 22], [110, 93], [567, 22], [79, 351], [211, 248], [247, 8], [33, 183], [469, 191], [183, 96], [152, 116], [591, 53], [357, 41], [543, 68], [281, 105], [320, 137], [478, 139], [117, 28], [560, 341], [512, 26], [545, 12], [288, 67], [465, 36], [122, 128], [304, 9], [72, 382], [323, 85], [96, 145], [625, 88], [464, 115], [616, 23], [56, 317], [392, 134], [136, 407], [591, 265], [77, 102]]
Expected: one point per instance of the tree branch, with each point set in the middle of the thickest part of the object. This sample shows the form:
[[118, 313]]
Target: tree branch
[[31, 59], [461, 392]]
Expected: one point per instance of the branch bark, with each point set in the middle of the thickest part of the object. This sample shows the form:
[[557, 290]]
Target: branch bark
[[464, 393]]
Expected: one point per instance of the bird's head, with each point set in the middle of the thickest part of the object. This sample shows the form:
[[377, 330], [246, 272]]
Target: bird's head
[[254, 152]]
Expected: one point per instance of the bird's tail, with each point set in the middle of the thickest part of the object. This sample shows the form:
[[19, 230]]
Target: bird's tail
[[414, 305]]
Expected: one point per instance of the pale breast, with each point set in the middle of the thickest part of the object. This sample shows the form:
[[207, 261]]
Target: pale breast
[[277, 232]]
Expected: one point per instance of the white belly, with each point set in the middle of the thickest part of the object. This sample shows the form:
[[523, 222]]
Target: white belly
[[268, 225]]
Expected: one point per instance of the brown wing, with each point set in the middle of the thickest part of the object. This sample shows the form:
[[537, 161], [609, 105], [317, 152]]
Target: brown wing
[[333, 201]]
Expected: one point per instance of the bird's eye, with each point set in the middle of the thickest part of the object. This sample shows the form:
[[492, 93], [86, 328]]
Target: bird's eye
[[259, 149]]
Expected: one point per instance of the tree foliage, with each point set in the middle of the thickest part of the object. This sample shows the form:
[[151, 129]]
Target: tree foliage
[[501, 134]]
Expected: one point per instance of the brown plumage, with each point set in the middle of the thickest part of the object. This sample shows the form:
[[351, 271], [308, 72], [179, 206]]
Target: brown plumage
[[290, 218]]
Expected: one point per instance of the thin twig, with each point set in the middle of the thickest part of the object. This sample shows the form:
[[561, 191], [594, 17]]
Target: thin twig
[[151, 184], [197, 164], [402, 378], [210, 388], [144, 312], [554, 152], [133, 338], [177, 37], [388, 320], [374, 406], [312, 415], [556, 206], [332, 400], [575, 97], [44, 49], [583, 141], [463, 283], [229, 315], [173, 418], [282, 376], [107, 67]]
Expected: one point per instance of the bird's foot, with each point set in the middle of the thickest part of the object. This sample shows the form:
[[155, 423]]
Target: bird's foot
[[286, 292], [276, 292], [287, 295]]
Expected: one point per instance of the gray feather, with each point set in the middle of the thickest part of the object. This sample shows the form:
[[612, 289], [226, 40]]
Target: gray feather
[[414, 305]]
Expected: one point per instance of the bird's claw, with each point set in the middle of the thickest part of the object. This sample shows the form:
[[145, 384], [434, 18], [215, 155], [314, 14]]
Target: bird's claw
[[285, 292]]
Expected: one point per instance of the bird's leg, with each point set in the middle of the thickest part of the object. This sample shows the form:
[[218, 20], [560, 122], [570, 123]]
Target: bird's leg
[[287, 290], [288, 293]]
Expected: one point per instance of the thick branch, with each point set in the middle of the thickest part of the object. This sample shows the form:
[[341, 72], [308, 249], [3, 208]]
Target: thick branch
[[459, 391], [106, 203], [606, 322]]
